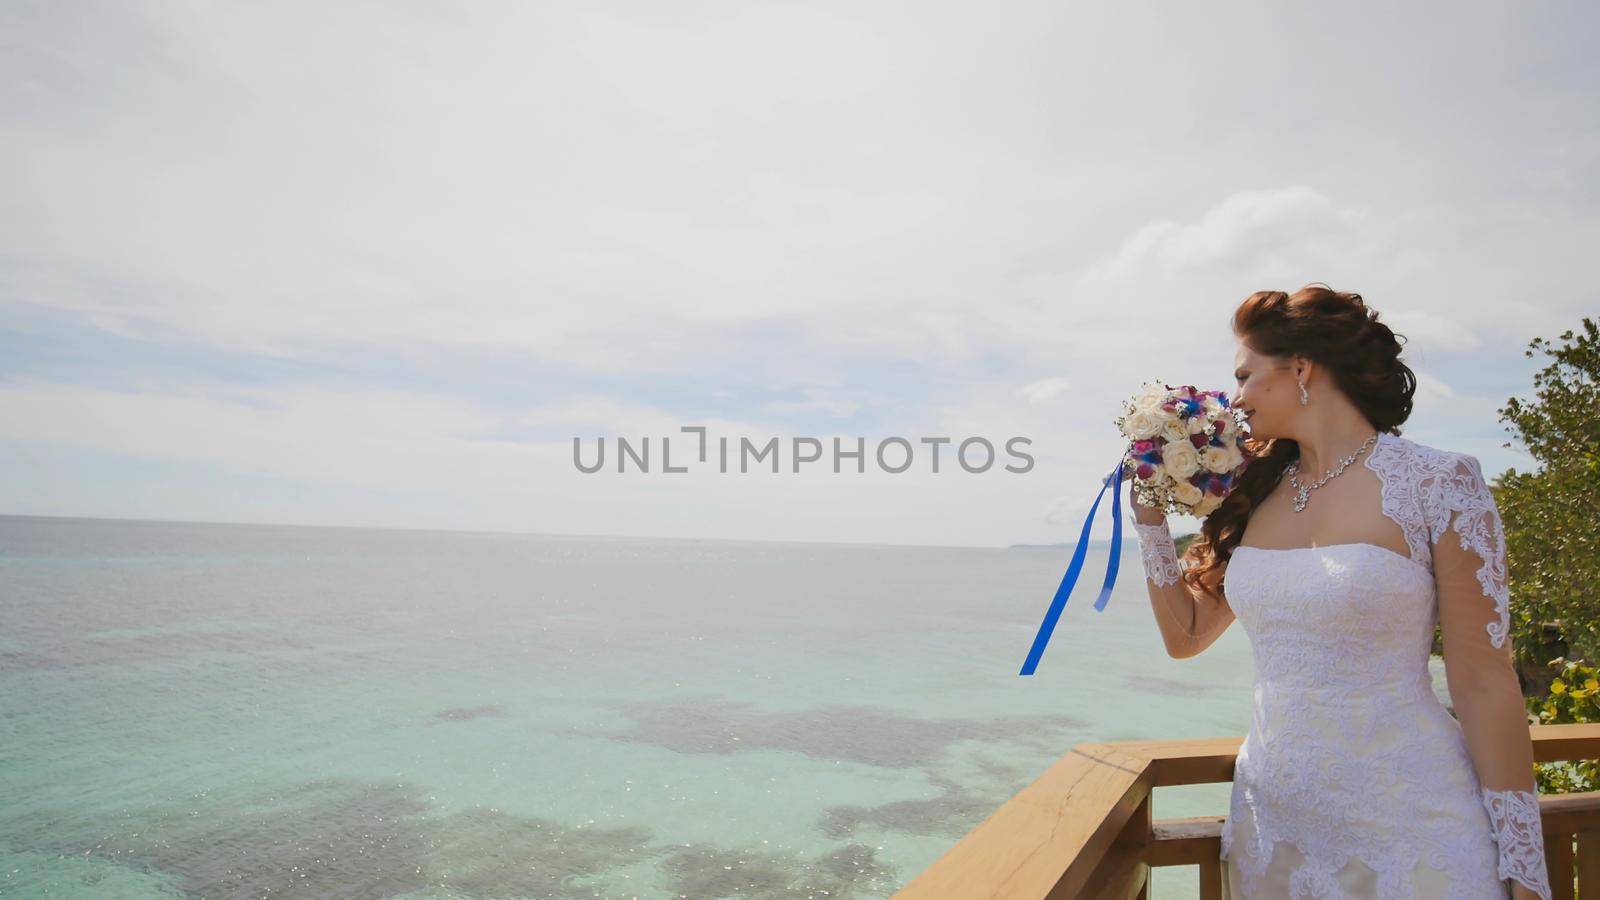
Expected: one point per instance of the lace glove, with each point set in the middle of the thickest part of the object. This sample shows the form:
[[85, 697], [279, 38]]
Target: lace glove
[[1159, 553], [1469, 568], [1520, 833]]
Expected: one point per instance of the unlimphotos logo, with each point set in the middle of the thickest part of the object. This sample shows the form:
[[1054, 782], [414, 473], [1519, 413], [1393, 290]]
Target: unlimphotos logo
[[893, 455]]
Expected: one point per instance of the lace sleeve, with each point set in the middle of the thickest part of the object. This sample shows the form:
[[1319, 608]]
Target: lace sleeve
[[1158, 552], [1469, 563]]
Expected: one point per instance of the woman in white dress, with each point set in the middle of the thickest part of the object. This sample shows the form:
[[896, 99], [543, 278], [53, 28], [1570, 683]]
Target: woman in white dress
[[1354, 780]]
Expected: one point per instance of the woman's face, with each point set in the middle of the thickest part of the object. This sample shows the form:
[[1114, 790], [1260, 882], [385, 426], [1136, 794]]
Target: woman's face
[[1266, 391]]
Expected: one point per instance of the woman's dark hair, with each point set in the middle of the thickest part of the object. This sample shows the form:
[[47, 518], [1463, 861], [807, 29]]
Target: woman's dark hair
[[1338, 332]]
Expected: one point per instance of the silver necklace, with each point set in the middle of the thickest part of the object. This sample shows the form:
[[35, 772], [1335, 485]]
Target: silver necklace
[[1302, 492]]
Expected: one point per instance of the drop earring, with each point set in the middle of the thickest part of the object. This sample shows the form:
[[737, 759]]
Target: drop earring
[[1305, 398]]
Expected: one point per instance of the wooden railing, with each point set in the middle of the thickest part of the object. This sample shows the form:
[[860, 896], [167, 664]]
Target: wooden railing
[[1084, 828]]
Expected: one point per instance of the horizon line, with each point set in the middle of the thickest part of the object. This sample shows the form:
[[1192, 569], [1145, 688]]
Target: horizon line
[[545, 534]]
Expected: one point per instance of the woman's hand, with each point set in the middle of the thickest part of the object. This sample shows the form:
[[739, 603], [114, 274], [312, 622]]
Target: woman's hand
[[1147, 515]]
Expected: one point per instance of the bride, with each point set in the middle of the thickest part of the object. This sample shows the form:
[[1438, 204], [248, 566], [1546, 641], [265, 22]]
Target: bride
[[1339, 550]]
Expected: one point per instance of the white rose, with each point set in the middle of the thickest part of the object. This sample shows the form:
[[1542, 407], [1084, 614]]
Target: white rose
[[1213, 407], [1154, 393], [1150, 403], [1197, 424], [1181, 460], [1141, 424], [1187, 494], [1235, 457], [1207, 506], [1173, 430], [1215, 459]]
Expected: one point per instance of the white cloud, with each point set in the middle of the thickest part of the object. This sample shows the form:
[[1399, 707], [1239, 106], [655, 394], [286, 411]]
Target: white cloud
[[1435, 332], [828, 401], [753, 63], [1243, 229], [1045, 389], [1008, 217], [1431, 389]]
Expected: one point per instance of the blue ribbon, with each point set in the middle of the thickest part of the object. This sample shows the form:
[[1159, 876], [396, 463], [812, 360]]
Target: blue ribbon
[[1114, 482]]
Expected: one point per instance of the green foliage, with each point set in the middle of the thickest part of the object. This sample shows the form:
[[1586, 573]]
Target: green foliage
[[1552, 515], [1574, 698], [1182, 542]]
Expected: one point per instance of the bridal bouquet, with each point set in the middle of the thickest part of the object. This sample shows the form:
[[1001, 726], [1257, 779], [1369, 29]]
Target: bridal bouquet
[[1185, 453], [1186, 448]]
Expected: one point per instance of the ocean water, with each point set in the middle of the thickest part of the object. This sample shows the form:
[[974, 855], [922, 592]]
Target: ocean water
[[201, 710]]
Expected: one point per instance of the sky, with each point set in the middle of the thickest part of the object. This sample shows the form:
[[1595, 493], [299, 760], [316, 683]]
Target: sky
[[380, 264]]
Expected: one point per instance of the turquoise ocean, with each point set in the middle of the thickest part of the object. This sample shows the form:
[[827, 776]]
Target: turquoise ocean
[[211, 710]]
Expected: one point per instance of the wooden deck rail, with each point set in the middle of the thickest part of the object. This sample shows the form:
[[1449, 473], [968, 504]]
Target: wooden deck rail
[[1084, 828]]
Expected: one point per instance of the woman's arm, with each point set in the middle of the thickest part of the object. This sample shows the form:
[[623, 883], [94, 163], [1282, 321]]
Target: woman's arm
[[1469, 566], [1189, 623]]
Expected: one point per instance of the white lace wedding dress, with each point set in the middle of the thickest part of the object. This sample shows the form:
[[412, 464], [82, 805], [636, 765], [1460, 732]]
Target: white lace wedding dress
[[1354, 780]]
